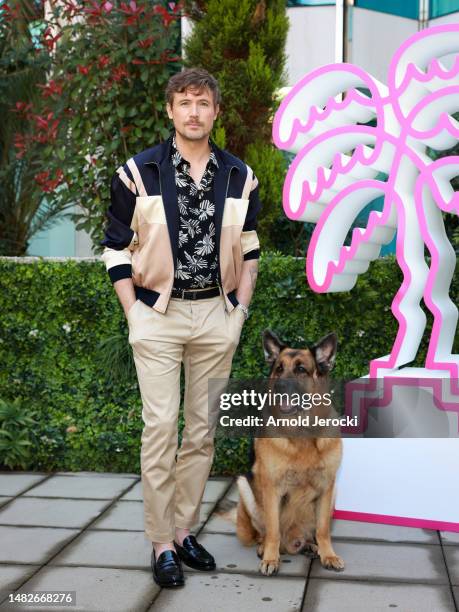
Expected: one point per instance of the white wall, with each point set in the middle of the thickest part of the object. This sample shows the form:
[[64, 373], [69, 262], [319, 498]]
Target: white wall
[[376, 37], [310, 41], [451, 18]]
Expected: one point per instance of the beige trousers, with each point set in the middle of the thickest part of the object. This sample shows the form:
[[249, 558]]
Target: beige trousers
[[202, 335]]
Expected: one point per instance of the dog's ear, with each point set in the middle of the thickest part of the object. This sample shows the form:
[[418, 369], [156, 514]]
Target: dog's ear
[[325, 352], [272, 346]]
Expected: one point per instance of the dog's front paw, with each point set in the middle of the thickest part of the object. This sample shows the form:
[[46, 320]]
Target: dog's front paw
[[269, 566], [332, 562]]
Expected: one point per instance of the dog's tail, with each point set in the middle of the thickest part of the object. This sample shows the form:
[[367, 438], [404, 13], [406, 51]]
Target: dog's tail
[[250, 503]]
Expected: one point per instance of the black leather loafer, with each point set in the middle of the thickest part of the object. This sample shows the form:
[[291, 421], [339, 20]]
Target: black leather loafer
[[194, 555], [167, 569]]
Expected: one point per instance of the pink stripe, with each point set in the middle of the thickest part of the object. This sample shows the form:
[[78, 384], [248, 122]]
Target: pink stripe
[[403, 521], [365, 402]]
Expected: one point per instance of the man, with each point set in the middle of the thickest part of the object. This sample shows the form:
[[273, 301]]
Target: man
[[182, 252]]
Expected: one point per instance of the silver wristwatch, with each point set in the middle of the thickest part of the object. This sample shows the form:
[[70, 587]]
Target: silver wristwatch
[[244, 309]]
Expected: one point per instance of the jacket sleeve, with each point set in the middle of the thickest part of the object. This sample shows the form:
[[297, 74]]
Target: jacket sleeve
[[249, 238], [120, 239]]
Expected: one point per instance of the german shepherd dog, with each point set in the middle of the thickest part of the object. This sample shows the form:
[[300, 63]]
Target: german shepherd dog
[[286, 500]]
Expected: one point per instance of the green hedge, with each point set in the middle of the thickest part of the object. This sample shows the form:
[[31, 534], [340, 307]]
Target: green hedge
[[66, 360]]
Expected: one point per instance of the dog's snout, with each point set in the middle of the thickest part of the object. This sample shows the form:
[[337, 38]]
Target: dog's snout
[[287, 385], [282, 386]]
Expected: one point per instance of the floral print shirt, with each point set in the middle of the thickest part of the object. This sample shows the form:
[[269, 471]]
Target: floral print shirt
[[197, 259]]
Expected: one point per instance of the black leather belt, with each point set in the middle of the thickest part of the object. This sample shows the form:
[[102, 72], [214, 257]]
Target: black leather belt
[[198, 294]]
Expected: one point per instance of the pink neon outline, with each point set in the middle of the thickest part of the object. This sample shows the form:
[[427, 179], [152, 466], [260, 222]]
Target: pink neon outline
[[347, 253], [443, 123], [434, 69], [309, 195], [381, 137], [402, 521], [379, 367], [412, 71], [427, 176], [316, 114], [389, 382]]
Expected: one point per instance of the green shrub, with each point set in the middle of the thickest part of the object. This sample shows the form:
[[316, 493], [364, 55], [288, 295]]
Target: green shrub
[[242, 43], [16, 429], [65, 355]]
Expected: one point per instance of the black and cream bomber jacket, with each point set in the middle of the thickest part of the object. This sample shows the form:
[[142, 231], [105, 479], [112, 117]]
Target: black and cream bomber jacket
[[141, 236]]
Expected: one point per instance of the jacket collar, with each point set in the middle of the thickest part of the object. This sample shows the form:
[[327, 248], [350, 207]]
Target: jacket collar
[[177, 159], [162, 152], [161, 156]]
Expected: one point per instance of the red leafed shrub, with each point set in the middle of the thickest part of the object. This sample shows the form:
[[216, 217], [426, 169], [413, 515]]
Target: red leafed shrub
[[107, 64]]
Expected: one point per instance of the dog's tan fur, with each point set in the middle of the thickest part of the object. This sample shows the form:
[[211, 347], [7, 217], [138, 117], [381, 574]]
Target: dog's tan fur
[[289, 500]]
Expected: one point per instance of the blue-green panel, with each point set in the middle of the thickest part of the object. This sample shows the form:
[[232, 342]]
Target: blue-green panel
[[403, 8], [437, 8], [362, 219], [57, 241]]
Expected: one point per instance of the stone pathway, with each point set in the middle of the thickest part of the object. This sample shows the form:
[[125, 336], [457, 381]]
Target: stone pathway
[[83, 532]]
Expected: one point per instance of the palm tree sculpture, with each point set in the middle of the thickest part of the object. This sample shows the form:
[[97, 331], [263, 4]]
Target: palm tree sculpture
[[342, 146]]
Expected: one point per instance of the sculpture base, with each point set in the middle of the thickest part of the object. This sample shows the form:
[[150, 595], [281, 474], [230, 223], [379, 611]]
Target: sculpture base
[[408, 479], [410, 482]]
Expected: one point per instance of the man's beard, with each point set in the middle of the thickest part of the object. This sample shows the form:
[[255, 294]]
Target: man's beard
[[194, 137]]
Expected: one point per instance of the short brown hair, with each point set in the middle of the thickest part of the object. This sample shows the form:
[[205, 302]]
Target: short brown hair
[[196, 78]]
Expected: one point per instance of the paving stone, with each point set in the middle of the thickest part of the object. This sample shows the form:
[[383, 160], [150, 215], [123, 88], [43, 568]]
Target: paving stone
[[11, 576], [227, 507], [452, 560], [129, 549], [95, 487], [217, 524], [344, 596], [13, 484], [31, 544], [230, 592], [377, 561], [101, 590], [357, 530], [100, 474], [205, 512], [450, 538], [135, 494], [215, 489], [51, 512], [231, 556], [125, 515], [197, 528], [4, 500], [232, 494], [456, 595], [129, 516]]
